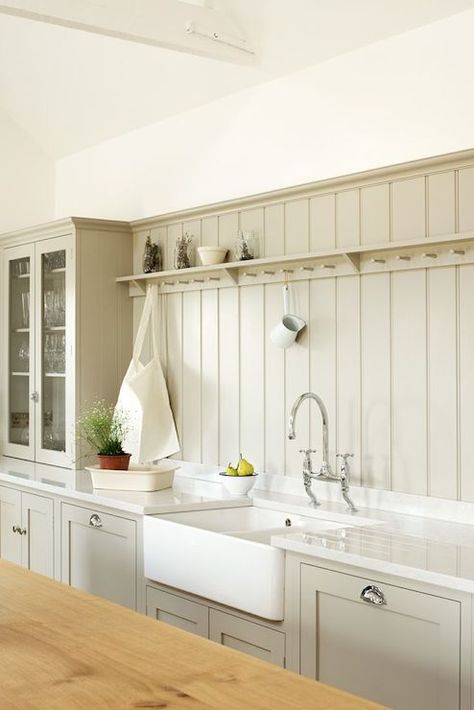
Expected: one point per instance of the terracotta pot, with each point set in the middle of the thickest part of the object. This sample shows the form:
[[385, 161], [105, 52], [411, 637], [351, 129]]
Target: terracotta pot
[[117, 462]]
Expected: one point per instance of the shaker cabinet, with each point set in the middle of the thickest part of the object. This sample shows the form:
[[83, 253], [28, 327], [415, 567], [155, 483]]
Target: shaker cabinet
[[222, 627], [67, 332], [27, 530], [247, 636], [393, 645], [99, 553]]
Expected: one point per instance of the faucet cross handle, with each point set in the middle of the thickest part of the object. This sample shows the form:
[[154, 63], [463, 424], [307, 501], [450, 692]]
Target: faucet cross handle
[[344, 457]]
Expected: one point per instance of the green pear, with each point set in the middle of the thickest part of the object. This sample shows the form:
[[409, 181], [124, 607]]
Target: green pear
[[245, 468], [231, 471]]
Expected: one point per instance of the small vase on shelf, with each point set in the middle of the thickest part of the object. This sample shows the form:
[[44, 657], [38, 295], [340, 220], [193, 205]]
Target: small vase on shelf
[[183, 253]]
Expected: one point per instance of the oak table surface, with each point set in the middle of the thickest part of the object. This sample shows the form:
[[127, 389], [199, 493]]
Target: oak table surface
[[62, 649]]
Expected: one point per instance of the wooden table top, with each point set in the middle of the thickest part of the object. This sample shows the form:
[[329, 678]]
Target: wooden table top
[[62, 649]]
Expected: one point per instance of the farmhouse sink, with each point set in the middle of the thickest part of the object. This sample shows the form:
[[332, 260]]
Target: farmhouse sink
[[225, 554]]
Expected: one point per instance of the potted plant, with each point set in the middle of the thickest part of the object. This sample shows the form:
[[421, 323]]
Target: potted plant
[[104, 429]]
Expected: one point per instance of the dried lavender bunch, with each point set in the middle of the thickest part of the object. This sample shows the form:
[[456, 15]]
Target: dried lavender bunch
[[182, 252]]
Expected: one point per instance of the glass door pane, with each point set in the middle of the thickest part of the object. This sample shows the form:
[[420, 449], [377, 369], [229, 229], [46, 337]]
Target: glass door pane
[[19, 370], [53, 350]]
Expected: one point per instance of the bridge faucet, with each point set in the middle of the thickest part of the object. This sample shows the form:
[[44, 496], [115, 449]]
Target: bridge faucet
[[325, 468], [325, 473]]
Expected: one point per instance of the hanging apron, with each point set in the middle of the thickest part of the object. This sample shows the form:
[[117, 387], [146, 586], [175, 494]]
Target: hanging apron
[[144, 396]]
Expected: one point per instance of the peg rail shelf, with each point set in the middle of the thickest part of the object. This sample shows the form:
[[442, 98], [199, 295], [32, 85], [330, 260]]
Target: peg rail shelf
[[448, 250]]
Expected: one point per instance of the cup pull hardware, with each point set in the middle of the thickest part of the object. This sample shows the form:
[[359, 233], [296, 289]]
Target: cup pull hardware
[[95, 521], [16, 528], [373, 595]]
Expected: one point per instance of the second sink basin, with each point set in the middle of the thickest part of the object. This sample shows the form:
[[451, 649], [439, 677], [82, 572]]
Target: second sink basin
[[225, 554]]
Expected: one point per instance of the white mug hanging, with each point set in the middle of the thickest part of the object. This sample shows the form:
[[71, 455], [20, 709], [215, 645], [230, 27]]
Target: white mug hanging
[[284, 334]]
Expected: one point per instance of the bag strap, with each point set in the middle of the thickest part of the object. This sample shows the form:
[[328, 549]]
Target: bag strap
[[150, 312]]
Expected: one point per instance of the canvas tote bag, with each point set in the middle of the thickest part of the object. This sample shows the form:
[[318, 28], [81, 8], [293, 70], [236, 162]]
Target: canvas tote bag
[[144, 396]]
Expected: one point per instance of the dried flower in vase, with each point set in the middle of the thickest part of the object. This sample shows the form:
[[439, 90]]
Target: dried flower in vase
[[183, 251], [246, 247], [151, 257]]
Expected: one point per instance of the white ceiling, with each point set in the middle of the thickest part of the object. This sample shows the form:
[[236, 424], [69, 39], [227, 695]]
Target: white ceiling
[[70, 89]]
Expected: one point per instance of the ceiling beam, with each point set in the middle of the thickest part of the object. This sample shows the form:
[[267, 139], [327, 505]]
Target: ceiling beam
[[170, 24]]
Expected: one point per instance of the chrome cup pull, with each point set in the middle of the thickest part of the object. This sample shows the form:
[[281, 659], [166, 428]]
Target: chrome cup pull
[[373, 595], [16, 528], [95, 521]]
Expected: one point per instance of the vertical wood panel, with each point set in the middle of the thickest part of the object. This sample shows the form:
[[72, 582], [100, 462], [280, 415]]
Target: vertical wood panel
[[348, 371], [466, 380], [375, 375], [297, 227], [442, 358], [323, 361], [466, 199], [409, 427], [252, 332], [408, 209], [441, 204], [191, 415], [253, 221], [275, 414], [229, 409], [209, 231], [274, 218], [175, 358], [347, 218], [228, 230], [297, 380], [322, 222], [375, 214], [210, 377]]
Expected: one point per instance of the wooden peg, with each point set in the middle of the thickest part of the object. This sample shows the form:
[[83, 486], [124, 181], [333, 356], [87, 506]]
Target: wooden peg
[[306, 268], [401, 257], [247, 273], [459, 252], [328, 266], [377, 261], [429, 255]]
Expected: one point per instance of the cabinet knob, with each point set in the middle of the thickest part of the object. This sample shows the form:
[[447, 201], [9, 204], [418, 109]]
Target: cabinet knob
[[95, 521], [34, 396], [373, 595]]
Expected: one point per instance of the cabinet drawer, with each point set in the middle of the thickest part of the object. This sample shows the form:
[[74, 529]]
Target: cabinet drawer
[[247, 636], [403, 651], [174, 610], [98, 554]]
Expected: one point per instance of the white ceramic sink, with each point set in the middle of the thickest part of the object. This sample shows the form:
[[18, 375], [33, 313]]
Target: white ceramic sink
[[225, 554]]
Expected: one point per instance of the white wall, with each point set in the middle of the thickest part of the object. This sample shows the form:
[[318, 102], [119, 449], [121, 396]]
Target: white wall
[[401, 99], [27, 179]]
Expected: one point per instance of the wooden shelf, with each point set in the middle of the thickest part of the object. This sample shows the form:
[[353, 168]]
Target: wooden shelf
[[55, 328], [20, 330], [20, 374], [446, 250], [55, 374]]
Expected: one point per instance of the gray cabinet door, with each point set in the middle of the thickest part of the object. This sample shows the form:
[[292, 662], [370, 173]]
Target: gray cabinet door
[[403, 653], [247, 636], [98, 554], [10, 521], [37, 515], [177, 611]]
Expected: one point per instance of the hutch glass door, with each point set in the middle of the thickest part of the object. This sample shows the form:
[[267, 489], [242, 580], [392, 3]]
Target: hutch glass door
[[20, 338], [52, 353]]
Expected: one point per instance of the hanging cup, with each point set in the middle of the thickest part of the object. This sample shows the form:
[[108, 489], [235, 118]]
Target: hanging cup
[[284, 334]]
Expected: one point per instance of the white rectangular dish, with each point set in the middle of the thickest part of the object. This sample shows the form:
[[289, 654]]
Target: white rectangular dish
[[139, 477]]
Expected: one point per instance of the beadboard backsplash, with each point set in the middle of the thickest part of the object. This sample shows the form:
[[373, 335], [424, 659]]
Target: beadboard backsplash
[[391, 354]]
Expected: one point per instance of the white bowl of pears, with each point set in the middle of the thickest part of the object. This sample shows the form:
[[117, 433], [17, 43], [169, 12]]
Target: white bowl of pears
[[238, 480]]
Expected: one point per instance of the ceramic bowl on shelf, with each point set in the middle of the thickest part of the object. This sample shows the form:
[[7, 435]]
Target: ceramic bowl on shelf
[[212, 255], [238, 485]]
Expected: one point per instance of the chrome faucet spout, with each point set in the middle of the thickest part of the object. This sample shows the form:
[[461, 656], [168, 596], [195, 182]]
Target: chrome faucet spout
[[325, 468]]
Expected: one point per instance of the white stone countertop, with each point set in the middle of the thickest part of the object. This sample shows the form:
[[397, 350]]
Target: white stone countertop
[[434, 543]]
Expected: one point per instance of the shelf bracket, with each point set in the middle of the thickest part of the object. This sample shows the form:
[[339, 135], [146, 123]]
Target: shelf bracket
[[232, 274], [353, 260], [137, 288]]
